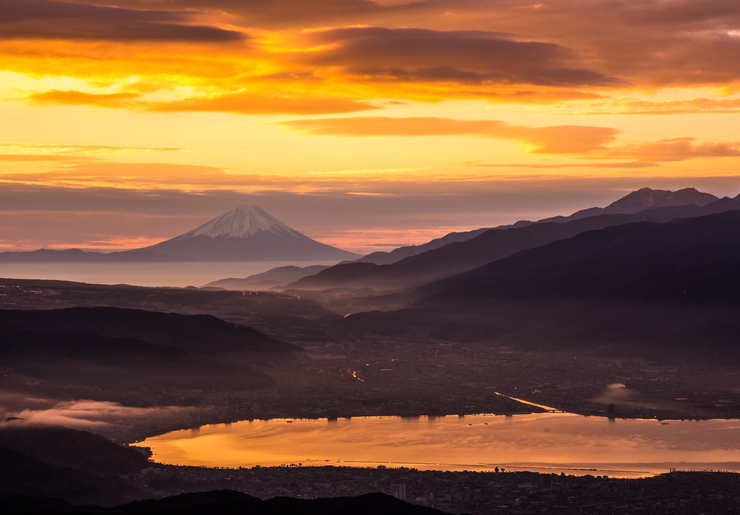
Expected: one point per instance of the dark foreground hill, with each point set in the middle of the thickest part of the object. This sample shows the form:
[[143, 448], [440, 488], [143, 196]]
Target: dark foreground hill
[[133, 349], [21, 475], [199, 333], [228, 502], [70, 448], [274, 313], [663, 290], [75, 466]]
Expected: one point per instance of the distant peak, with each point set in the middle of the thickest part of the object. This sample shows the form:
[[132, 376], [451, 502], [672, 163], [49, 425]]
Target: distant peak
[[248, 208], [646, 198], [243, 222]]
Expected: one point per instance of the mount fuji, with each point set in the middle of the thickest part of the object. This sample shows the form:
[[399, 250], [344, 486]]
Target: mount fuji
[[247, 233]]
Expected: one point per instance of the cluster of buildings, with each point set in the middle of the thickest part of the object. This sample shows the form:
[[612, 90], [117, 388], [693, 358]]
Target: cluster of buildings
[[677, 493]]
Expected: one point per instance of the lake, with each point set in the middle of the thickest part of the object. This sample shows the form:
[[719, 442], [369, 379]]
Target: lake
[[546, 442], [144, 274]]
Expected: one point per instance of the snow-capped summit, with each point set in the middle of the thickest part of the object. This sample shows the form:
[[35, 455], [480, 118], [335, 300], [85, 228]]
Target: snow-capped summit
[[247, 233], [242, 222]]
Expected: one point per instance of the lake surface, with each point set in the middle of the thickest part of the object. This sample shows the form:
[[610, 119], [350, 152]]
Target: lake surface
[[547, 442], [144, 274]]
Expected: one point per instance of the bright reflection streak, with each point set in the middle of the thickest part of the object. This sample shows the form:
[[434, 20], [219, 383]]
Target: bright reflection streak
[[549, 442]]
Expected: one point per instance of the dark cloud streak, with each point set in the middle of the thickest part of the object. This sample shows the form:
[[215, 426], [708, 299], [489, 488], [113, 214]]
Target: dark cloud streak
[[457, 56], [45, 19]]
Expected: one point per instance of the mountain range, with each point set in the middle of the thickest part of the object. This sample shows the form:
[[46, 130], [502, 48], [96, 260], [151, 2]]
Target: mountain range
[[660, 290], [634, 202], [435, 262], [417, 264]]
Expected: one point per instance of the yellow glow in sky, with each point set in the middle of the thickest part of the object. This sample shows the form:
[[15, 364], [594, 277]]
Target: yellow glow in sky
[[163, 105]]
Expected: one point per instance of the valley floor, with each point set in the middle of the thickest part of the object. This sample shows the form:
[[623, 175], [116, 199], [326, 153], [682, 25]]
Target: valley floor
[[418, 377]]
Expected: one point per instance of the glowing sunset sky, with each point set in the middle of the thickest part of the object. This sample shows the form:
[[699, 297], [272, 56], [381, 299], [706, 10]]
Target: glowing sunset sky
[[360, 123]]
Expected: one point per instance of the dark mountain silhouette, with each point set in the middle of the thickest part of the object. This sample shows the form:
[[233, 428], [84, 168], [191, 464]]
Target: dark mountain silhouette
[[642, 199], [684, 261], [632, 203], [664, 290], [452, 258], [229, 502], [122, 348], [21, 475], [70, 448], [489, 246], [191, 333], [275, 277], [276, 313], [395, 255]]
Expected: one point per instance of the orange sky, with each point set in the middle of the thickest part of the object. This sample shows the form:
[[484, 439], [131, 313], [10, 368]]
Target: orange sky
[[364, 124]]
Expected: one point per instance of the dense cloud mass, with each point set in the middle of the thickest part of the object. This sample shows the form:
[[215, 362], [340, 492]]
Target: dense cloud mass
[[584, 44], [454, 56]]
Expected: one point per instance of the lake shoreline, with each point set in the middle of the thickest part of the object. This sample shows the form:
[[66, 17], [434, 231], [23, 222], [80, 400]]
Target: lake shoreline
[[133, 436], [561, 442]]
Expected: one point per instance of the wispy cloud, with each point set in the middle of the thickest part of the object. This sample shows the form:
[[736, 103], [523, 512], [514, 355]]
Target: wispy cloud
[[562, 139], [76, 98], [237, 103], [29, 152], [631, 106], [631, 164], [675, 149]]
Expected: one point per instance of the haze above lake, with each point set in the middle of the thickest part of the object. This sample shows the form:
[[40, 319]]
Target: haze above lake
[[179, 274]]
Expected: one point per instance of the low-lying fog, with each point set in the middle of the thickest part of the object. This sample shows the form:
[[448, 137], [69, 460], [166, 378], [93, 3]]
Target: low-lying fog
[[145, 274], [77, 414]]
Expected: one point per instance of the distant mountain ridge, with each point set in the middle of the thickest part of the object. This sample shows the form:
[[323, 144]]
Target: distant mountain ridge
[[414, 264], [659, 290], [275, 277], [495, 244], [395, 255], [640, 200]]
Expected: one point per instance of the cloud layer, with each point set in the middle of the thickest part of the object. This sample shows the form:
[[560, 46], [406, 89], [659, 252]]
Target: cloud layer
[[563, 139]]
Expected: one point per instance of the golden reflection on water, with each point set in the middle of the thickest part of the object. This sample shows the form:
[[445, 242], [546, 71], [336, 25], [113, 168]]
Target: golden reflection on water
[[552, 442]]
